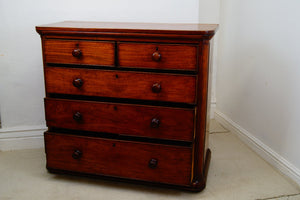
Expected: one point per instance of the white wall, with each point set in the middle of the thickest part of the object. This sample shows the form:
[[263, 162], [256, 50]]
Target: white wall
[[21, 76], [258, 81]]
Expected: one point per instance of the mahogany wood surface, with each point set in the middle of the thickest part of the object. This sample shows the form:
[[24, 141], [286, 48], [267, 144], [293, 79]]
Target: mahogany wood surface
[[125, 119], [201, 123], [119, 37], [147, 84], [119, 84], [134, 160], [158, 56], [166, 30], [79, 52]]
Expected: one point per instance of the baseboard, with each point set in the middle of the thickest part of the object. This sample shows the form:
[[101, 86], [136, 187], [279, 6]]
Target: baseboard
[[268, 154], [29, 137]]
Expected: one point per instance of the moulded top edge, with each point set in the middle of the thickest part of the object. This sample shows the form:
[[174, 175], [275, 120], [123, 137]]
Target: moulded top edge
[[121, 27]]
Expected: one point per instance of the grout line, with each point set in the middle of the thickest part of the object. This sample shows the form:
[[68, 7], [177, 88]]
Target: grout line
[[280, 196]]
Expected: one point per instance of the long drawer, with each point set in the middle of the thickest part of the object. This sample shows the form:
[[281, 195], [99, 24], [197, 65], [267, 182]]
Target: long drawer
[[79, 52], [120, 84], [158, 56], [124, 119], [134, 160]]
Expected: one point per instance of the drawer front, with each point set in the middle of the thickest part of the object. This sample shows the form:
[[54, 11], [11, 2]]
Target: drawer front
[[125, 119], [134, 160], [158, 56], [134, 85], [79, 52]]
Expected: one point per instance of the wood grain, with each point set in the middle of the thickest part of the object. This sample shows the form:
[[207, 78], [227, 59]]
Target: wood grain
[[92, 52], [195, 31], [119, 158], [73, 53], [124, 119], [135, 85], [140, 55], [201, 129]]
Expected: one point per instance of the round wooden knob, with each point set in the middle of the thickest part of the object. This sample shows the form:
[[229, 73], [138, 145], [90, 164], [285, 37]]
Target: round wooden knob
[[77, 53], [77, 82], [153, 163], [156, 56], [156, 88], [76, 154], [77, 116], [155, 123]]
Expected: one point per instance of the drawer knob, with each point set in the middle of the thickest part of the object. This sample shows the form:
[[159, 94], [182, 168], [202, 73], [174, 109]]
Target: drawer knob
[[153, 163], [77, 53], [155, 123], [77, 82], [156, 88], [76, 154], [77, 116], [156, 56]]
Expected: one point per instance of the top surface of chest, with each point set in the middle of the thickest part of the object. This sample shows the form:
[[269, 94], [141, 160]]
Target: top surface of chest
[[195, 31]]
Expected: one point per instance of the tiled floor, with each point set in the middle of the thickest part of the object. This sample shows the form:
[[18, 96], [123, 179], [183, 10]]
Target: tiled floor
[[236, 173]]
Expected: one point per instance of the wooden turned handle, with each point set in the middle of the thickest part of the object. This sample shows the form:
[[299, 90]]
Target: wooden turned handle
[[155, 123], [77, 53], [156, 88], [76, 154], [153, 163], [156, 56], [77, 116], [77, 82]]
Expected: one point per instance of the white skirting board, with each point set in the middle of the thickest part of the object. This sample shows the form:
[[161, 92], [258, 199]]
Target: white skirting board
[[259, 147], [29, 137]]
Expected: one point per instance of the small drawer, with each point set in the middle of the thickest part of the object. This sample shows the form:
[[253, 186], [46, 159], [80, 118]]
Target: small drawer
[[124, 119], [118, 84], [79, 52], [158, 56], [135, 160]]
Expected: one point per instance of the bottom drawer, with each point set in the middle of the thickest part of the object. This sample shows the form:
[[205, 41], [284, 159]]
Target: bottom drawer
[[126, 159]]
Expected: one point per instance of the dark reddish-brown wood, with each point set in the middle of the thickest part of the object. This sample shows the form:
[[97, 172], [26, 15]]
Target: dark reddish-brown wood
[[126, 119], [79, 52], [201, 128], [77, 82], [134, 160], [141, 57], [158, 56], [156, 87], [136, 30], [135, 85]]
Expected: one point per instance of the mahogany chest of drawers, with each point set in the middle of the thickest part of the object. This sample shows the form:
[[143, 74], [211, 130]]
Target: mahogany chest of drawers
[[128, 101]]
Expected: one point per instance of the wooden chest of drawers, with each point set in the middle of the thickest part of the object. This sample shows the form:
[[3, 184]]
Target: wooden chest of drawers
[[128, 101]]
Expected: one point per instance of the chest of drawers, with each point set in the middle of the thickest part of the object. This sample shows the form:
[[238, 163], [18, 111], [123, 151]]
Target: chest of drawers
[[128, 101]]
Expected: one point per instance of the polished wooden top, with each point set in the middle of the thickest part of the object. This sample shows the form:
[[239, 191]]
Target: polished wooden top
[[120, 27]]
